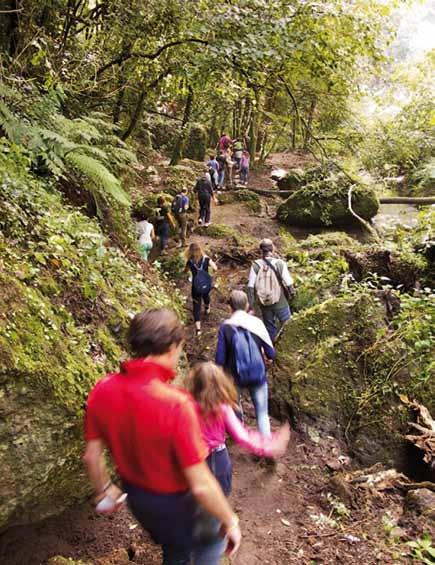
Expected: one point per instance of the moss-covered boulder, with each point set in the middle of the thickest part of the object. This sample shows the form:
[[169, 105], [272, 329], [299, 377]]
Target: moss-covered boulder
[[321, 199], [340, 368], [293, 180], [66, 297], [315, 208], [196, 143]]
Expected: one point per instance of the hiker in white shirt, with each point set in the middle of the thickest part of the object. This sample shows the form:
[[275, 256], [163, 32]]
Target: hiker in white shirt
[[145, 231]]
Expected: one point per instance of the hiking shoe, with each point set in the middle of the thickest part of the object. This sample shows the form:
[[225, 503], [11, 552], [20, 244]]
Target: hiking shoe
[[207, 224], [198, 333], [207, 310]]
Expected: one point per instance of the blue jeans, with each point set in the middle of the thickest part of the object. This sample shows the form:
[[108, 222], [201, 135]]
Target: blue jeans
[[260, 396], [163, 233], [207, 554], [244, 171], [272, 315], [221, 178]]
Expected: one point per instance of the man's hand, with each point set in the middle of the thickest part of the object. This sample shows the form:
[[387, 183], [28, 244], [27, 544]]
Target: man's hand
[[234, 537]]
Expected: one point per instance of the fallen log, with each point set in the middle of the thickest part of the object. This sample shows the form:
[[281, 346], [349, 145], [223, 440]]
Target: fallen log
[[417, 201]]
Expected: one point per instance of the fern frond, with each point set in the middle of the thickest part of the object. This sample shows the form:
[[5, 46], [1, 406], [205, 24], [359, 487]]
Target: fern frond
[[103, 179]]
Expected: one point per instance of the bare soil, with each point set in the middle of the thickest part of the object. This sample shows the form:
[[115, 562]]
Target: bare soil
[[285, 512]]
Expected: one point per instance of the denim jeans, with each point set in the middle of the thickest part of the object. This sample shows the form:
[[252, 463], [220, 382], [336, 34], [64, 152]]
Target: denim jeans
[[271, 317], [244, 171], [207, 554], [260, 396], [163, 233], [221, 178]]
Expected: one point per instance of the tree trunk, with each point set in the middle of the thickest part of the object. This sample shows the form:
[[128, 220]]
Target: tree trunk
[[309, 124], [253, 132], [177, 152]]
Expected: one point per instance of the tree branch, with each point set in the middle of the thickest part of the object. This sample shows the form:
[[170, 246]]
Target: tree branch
[[149, 56]]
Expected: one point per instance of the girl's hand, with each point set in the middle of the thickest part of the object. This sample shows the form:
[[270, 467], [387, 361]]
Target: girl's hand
[[280, 442]]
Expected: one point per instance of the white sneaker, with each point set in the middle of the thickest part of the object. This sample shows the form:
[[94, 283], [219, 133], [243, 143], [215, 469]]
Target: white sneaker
[[207, 224], [199, 221]]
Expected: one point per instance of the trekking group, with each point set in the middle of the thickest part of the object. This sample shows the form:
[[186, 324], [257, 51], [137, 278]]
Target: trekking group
[[218, 172], [168, 443]]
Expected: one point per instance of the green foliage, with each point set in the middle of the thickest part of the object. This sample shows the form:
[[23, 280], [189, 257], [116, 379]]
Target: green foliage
[[422, 549], [64, 289], [83, 150], [196, 145]]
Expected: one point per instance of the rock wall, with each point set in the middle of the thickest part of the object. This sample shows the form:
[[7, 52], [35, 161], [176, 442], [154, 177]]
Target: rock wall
[[66, 297], [331, 375]]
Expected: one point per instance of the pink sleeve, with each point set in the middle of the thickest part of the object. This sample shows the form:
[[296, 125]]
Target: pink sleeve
[[250, 440]]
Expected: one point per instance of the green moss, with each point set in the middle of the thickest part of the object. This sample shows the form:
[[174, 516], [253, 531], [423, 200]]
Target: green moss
[[66, 298], [323, 200], [342, 368], [250, 199], [218, 231], [196, 144]]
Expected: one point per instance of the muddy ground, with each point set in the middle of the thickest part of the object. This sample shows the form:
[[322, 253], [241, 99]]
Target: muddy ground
[[289, 514]]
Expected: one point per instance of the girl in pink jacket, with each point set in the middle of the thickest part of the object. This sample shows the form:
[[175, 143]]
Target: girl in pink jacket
[[216, 398]]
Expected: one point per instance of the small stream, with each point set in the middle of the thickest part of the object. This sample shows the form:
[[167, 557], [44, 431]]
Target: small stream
[[392, 215]]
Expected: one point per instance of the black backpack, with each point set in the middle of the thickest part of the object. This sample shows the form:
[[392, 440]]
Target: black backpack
[[177, 205]]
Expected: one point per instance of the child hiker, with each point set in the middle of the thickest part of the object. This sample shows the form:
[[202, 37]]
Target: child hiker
[[216, 398]]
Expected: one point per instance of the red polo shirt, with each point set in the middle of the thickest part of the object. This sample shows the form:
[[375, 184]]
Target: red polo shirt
[[150, 426]]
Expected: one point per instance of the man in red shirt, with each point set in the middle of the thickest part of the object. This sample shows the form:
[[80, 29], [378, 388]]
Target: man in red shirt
[[153, 434]]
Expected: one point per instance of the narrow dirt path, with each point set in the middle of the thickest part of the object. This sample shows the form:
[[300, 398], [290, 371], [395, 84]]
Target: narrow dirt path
[[287, 515]]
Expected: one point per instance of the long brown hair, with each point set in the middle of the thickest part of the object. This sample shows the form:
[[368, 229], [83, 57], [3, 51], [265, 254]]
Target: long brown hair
[[210, 387], [195, 253]]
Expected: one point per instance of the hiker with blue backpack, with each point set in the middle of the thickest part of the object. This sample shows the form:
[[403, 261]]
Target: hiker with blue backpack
[[270, 286], [202, 282], [243, 349]]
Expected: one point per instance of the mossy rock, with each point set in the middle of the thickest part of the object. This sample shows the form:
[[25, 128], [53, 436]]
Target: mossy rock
[[317, 210], [196, 143], [293, 180], [322, 200], [323, 377], [64, 308]]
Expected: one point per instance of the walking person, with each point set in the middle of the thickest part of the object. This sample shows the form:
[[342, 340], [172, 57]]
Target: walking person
[[145, 231], [163, 223], [224, 143], [221, 160], [270, 285], [213, 169], [216, 398], [244, 168], [153, 434], [205, 193], [179, 207], [238, 152], [242, 347], [202, 282]]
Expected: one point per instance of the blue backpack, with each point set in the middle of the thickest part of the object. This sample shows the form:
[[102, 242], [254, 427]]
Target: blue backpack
[[202, 281], [248, 360]]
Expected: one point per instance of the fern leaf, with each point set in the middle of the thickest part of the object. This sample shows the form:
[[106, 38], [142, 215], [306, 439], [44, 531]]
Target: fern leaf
[[103, 179]]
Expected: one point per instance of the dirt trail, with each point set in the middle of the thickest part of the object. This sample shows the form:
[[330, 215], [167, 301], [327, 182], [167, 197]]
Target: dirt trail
[[285, 513]]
